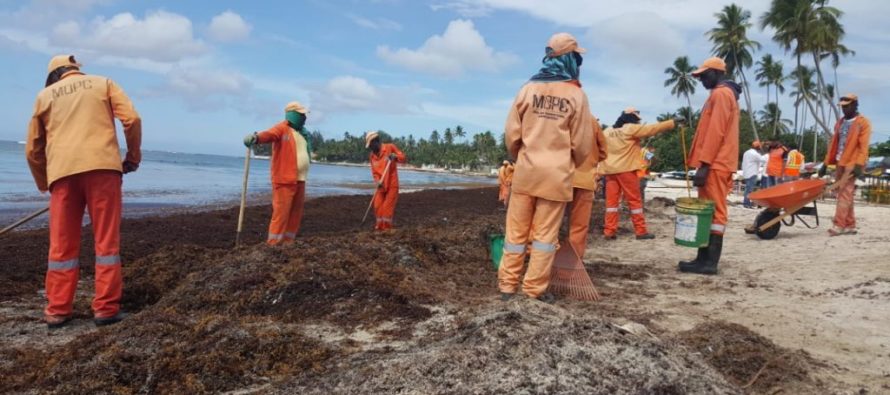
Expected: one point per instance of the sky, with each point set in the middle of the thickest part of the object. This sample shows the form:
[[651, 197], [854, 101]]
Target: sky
[[204, 74]]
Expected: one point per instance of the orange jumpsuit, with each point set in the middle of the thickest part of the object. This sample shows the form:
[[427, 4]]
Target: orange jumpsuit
[[549, 133], [854, 152], [716, 143], [387, 194], [584, 185], [72, 150], [289, 168], [505, 178], [620, 168]]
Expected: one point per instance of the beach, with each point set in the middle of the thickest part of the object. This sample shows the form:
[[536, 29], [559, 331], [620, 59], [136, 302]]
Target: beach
[[416, 310]]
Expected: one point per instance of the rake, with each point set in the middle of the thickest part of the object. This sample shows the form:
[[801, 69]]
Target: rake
[[569, 276]]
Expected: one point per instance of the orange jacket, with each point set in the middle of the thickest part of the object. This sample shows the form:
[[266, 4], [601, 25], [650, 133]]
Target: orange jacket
[[795, 161], [549, 131], [716, 139], [72, 129], [623, 145], [776, 161], [586, 174], [856, 148], [285, 158], [378, 165]]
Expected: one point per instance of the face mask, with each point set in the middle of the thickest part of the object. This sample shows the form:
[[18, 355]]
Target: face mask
[[295, 119]]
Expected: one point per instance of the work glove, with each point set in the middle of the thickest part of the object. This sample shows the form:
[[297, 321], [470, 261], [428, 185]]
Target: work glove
[[250, 140], [701, 175], [129, 167], [823, 170], [392, 157], [680, 122], [857, 171]]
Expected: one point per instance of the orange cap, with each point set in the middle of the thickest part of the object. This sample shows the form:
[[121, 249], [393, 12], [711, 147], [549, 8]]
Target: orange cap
[[563, 43], [61, 61], [370, 136], [713, 63], [632, 110], [848, 98], [296, 106]]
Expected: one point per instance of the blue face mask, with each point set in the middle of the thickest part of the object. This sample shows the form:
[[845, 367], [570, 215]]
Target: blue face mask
[[559, 68], [295, 119]]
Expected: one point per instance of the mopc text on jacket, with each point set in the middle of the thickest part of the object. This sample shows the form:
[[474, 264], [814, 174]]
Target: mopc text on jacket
[[71, 87], [551, 107]]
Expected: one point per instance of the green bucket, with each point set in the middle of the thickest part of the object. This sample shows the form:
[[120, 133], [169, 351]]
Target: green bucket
[[692, 228], [496, 249]]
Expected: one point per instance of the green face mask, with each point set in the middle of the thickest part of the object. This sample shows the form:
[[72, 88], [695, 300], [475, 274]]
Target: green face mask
[[295, 119]]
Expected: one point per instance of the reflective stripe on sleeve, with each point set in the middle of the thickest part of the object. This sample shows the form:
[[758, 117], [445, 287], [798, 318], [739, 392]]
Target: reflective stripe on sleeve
[[543, 247], [63, 265]]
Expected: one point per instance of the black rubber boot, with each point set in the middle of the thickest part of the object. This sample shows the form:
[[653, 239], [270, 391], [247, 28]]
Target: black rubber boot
[[702, 254], [709, 264]]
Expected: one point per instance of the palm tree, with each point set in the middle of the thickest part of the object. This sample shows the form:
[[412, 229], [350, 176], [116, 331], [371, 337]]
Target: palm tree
[[731, 42], [808, 92], [772, 114], [459, 132], [806, 27], [764, 67], [681, 81]]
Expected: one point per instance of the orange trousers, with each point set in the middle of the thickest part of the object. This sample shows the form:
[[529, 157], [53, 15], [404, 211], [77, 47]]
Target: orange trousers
[[843, 213], [287, 212], [627, 184], [385, 206], [716, 189], [100, 193], [579, 219], [525, 213]]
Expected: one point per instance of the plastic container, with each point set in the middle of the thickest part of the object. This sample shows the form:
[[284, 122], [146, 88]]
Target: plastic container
[[496, 249], [692, 227]]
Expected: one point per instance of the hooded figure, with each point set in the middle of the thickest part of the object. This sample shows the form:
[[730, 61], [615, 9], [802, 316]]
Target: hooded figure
[[549, 132], [291, 153], [715, 155]]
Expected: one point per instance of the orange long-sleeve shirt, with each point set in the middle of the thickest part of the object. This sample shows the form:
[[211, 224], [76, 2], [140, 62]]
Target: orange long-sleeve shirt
[[716, 139], [72, 128], [586, 174], [549, 131], [378, 165], [284, 168], [856, 146]]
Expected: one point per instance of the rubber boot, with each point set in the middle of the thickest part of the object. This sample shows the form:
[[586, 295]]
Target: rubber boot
[[709, 264], [702, 254]]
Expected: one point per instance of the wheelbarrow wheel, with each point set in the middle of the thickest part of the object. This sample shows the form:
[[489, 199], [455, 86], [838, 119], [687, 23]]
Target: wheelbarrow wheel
[[764, 217]]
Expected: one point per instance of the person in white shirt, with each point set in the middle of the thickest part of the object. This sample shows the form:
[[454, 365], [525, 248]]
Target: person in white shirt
[[751, 164]]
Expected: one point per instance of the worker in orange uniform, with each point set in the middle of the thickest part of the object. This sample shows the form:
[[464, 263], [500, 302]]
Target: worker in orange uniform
[[715, 155], [505, 179], [793, 163], [647, 160], [621, 166], [584, 185], [384, 156], [73, 152], [775, 166], [291, 154], [849, 152], [549, 133]]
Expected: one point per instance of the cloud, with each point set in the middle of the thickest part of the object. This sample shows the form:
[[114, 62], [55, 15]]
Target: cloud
[[161, 37], [228, 27], [460, 49], [376, 23], [466, 9], [350, 94], [648, 40]]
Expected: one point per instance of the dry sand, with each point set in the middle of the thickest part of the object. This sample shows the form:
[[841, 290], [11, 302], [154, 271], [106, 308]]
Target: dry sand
[[416, 311]]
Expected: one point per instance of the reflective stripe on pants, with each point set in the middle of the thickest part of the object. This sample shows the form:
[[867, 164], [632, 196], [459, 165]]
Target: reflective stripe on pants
[[625, 184], [385, 206], [844, 217], [716, 189], [287, 212]]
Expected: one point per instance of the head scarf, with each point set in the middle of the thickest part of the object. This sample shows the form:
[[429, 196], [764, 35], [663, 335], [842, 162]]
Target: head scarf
[[296, 120], [559, 68]]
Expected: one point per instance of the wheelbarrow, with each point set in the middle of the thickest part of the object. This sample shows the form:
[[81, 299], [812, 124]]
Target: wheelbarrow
[[790, 199]]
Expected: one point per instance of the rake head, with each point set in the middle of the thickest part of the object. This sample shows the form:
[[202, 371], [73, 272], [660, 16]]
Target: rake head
[[569, 277]]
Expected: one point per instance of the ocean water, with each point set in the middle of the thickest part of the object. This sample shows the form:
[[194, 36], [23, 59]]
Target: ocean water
[[180, 180]]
